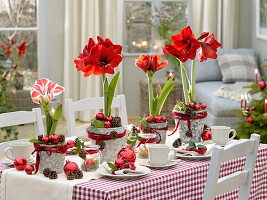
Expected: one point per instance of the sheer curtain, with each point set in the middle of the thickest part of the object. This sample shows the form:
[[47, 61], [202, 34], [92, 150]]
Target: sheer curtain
[[219, 17], [84, 19]]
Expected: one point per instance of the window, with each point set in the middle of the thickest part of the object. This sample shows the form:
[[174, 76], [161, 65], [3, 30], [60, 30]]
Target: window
[[149, 24], [18, 19]]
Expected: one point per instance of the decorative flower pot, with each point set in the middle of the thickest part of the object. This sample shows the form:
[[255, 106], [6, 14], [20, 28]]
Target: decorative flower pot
[[160, 129], [188, 128], [50, 156], [111, 141]]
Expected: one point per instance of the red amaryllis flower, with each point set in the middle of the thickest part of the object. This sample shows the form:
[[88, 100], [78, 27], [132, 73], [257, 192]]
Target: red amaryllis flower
[[208, 48], [45, 90], [100, 58], [150, 63], [6, 47], [184, 45], [22, 49]]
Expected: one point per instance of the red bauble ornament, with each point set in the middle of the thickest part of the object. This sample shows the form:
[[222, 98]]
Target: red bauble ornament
[[54, 139], [206, 135], [89, 162], [149, 119], [45, 139], [119, 162], [247, 109], [203, 106], [99, 116], [70, 143], [109, 119], [29, 169], [192, 105], [252, 108], [262, 84], [164, 119], [20, 163], [70, 167], [158, 119], [107, 124], [250, 120], [197, 107], [127, 154]]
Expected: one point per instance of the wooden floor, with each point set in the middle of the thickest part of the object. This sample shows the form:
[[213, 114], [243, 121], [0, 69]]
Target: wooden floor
[[27, 131]]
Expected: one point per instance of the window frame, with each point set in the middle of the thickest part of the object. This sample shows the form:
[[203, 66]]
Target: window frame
[[155, 3]]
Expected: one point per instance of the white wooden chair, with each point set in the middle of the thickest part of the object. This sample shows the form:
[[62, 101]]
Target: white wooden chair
[[242, 179], [91, 104], [18, 118]]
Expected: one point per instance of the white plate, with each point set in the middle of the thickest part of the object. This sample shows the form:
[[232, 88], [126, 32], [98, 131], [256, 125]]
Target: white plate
[[8, 162], [105, 172], [146, 163], [200, 157]]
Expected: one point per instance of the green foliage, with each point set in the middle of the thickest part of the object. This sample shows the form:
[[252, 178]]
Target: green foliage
[[55, 119], [97, 123], [79, 144], [112, 166], [259, 125], [34, 140]]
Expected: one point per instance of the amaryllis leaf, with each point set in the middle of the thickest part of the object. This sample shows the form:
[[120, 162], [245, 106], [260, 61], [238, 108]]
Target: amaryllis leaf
[[49, 122], [110, 95], [58, 112], [34, 140]]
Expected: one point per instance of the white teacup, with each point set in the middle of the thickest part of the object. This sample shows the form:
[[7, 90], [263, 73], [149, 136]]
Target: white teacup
[[18, 149], [159, 154], [220, 134]]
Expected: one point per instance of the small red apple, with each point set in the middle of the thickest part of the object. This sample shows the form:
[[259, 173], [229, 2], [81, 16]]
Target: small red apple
[[70, 143], [99, 116], [149, 119], [107, 124]]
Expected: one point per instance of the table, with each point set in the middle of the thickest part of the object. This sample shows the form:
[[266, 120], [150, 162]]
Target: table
[[185, 181]]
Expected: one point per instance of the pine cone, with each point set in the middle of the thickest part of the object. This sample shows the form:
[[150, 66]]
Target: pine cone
[[70, 176], [40, 137], [116, 122], [46, 172], [78, 174], [146, 129], [61, 138], [114, 135], [177, 143], [193, 115], [77, 140], [188, 110], [53, 175], [134, 129], [83, 154], [188, 133], [101, 144]]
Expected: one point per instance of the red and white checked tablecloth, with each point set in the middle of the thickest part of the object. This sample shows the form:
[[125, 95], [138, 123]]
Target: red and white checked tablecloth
[[185, 181]]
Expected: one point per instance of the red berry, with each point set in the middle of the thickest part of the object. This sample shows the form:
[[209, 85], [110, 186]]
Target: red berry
[[197, 107], [45, 139], [109, 119], [203, 106], [164, 118], [192, 105], [250, 120], [262, 84], [252, 108], [149, 119], [107, 124], [99, 116], [70, 143], [29, 169], [54, 139], [158, 119]]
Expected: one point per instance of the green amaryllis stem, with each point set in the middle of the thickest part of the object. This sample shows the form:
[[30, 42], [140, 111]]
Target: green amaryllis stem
[[193, 82], [105, 90], [150, 94], [184, 82]]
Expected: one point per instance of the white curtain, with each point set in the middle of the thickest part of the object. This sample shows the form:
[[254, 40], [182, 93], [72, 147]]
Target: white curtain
[[219, 17], [85, 19]]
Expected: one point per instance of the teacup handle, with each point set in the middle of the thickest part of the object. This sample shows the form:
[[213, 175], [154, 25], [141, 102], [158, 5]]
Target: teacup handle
[[7, 154], [173, 156], [234, 134]]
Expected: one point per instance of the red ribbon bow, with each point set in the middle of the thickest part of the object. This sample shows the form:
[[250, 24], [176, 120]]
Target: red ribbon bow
[[99, 137], [182, 116]]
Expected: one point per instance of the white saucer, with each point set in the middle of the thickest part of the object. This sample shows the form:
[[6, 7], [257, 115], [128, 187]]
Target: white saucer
[[146, 163], [8, 162]]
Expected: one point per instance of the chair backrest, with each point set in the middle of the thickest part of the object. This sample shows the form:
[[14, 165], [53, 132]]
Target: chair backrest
[[18, 118], [91, 104], [242, 179]]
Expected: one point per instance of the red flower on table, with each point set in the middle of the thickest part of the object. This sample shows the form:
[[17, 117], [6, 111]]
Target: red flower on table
[[22, 49], [6, 47], [184, 45], [150, 63], [100, 58], [208, 48], [45, 90]]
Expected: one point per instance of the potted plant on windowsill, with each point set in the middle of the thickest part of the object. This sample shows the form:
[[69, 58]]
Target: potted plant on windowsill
[[102, 58], [50, 147], [155, 123], [189, 115]]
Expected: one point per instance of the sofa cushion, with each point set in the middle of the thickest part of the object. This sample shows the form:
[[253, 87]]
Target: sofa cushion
[[237, 67], [209, 70], [219, 107]]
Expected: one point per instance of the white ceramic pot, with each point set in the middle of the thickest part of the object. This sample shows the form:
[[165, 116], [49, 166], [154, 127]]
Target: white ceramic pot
[[112, 146], [196, 126], [161, 134]]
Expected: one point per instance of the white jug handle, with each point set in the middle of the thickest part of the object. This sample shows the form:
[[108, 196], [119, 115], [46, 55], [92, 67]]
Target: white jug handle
[[172, 157], [234, 134], [7, 154]]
